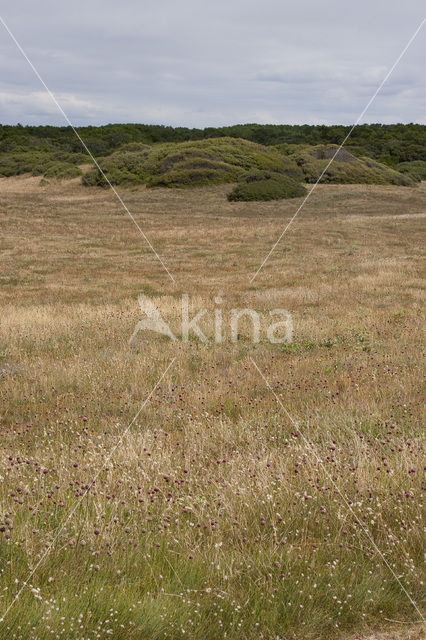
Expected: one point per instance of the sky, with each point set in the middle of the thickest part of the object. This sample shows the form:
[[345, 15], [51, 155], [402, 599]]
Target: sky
[[201, 63]]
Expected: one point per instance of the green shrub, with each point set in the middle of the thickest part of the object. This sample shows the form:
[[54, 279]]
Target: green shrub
[[194, 176], [125, 166], [189, 164], [17, 163], [288, 149], [415, 169], [266, 185], [36, 161], [134, 146], [61, 170], [115, 174], [389, 144], [345, 168], [71, 158], [92, 178]]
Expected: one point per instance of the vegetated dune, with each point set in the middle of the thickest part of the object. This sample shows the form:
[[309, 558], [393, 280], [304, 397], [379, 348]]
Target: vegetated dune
[[266, 185], [345, 168], [214, 161], [221, 160], [50, 164], [189, 164], [416, 169]]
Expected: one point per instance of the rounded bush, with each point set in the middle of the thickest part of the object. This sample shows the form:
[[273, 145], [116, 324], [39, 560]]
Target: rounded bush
[[264, 185], [416, 169], [345, 168], [189, 164], [37, 161], [115, 174], [61, 170]]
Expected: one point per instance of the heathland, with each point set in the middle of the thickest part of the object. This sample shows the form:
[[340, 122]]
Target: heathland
[[178, 157], [229, 509]]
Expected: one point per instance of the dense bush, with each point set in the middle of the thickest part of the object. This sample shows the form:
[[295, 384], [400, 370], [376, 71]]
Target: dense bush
[[189, 164], [30, 149], [122, 167], [415, 169], [135, 146], [36, 161], [115, 175], [290, 149], [390, 144], [345, 168], [62, 170], [14, 164], [196, 173], [266, 185]]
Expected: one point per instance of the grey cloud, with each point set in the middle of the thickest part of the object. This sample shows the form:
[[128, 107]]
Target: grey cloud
[[197, 63]]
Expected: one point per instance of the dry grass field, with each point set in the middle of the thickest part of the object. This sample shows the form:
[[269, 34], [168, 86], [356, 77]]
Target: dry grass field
[[216, 516]]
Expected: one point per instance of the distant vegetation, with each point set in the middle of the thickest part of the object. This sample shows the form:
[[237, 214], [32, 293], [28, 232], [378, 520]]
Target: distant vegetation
[[179, 157], [390, 144]]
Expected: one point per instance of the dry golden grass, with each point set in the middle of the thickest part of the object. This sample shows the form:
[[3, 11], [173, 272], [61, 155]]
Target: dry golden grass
[[214, 517]]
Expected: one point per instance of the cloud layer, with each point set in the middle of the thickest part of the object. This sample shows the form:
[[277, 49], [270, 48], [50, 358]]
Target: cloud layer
[[194, 63]]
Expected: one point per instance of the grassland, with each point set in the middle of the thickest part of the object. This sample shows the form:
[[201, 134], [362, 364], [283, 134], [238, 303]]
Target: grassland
[[216, 517]]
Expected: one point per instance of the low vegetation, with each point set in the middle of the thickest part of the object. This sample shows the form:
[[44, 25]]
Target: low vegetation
[[61, 170], [345, 168], [216, 516], [415, 169], [189, 164], [59, 164], [222, 160], [180, 158], [266, 185], [389, 144]]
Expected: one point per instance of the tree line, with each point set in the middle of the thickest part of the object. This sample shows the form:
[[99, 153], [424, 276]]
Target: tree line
[[390, 144]]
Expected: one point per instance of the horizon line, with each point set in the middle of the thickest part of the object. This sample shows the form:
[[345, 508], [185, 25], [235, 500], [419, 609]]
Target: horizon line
[[223, 126]]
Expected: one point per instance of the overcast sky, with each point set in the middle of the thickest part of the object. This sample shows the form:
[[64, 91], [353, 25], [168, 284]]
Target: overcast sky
[[212, 62]]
